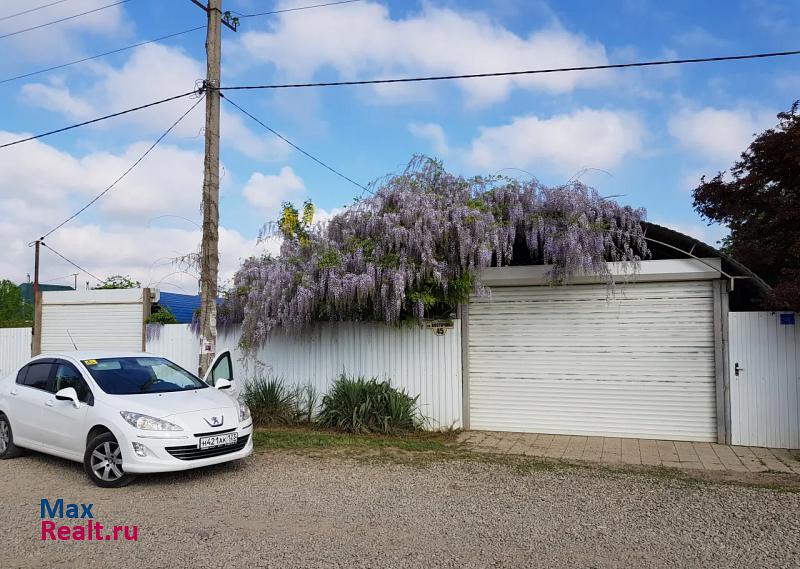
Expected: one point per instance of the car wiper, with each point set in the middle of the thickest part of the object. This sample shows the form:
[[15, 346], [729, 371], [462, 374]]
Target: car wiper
[[146, 385]]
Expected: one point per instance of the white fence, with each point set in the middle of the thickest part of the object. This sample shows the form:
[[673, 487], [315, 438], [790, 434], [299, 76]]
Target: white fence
[[765, 379], [15, 349], [412, 358]]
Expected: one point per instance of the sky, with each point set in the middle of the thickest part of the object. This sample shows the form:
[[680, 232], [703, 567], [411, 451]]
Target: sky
[[645, 135]]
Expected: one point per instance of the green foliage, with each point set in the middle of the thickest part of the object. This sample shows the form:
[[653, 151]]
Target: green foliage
[[117, 282], [306, 399], [273, 402], [13, 311], [296, 225], [439, 301], [162, 316], [477, 203], [270, 401], [299, 438], [329, 259], [360, 405]]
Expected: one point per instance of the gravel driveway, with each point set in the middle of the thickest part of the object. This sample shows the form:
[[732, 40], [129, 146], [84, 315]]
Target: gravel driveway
[[279, 509]]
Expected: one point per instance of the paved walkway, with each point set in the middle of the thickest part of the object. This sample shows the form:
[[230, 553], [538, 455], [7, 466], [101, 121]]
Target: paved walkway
[[646, 452]]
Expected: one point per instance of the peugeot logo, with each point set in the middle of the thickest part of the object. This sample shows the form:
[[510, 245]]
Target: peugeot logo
[[215, 421]]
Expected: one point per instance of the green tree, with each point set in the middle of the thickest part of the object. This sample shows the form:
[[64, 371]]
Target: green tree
[[295, 224], [118, 281], [760, 203], [161, 315], [13, 312]]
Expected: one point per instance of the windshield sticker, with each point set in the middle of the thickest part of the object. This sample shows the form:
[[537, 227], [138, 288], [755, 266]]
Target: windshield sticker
[[90, 362]]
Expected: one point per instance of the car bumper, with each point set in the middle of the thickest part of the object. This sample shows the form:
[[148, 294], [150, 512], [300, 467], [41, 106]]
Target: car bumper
[[158, 457]]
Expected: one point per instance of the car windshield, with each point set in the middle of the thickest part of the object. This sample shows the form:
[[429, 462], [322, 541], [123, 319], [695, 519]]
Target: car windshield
[[130, 376]]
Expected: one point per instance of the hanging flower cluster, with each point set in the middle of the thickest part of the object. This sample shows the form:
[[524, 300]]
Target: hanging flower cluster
[[415, 249]]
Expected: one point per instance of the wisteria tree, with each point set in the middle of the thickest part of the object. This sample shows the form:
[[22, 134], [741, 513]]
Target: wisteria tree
[[415, 249]]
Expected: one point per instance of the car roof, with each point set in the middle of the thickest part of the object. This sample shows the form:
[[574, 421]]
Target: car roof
[[94, 354]]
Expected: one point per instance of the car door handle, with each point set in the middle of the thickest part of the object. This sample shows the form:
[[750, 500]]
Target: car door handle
[[13, 393], [50, 402]]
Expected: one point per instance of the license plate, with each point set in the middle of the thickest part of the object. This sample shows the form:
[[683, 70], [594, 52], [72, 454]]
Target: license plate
[[218, 440]]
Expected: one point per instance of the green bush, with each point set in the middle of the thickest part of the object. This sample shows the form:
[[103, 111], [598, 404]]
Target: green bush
[[306, 399], [360, 405], [162, 316], [271, 401]]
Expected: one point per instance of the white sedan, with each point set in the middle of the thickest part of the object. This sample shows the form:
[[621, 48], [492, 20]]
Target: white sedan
[[123, 414]]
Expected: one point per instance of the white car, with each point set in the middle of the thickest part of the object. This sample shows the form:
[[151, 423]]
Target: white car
[[123, 414]]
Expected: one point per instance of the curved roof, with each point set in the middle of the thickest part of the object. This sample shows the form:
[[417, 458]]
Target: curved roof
[[668, 243]]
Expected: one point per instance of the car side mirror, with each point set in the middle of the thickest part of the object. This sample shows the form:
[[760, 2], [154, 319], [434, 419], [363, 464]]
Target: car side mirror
[[68, 394], [223, 383]]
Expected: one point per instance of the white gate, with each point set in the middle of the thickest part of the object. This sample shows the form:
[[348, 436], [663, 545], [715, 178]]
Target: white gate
[[15, 349], [764, 350]]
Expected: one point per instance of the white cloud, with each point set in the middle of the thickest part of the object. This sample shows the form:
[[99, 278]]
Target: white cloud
[[153, 72], [719, 135], [691, 179], [363, 40], [433, 134], [267, 192], [585, 138], [147, 256], [168, 180], [62, 40], [57, 99], [42, 186]]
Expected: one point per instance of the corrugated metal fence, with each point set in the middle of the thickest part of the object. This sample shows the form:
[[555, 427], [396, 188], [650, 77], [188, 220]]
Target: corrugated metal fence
[[413, 358], [15, 348], [765, 379]]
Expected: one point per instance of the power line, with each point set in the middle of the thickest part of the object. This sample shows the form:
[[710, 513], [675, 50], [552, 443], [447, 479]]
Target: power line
[[120, 113], [154, 40], [58, 278], [74, 264], [293, 145], [294, 9], [64, 19], [125, 173], [31, 10], [511, 73], [104, 54]]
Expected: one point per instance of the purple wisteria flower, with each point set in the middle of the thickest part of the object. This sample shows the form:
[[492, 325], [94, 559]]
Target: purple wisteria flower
[[420, 242]]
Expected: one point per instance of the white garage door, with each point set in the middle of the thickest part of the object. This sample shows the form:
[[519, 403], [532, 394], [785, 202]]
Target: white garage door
[[92, 320], [572, 360]]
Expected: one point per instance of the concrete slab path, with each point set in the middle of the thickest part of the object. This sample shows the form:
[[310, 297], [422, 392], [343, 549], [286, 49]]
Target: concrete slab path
[[644, 452]]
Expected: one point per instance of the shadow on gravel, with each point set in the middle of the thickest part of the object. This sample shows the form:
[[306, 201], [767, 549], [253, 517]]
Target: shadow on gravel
[[70, 468]]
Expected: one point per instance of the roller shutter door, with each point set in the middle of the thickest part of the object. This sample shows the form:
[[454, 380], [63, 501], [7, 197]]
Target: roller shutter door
[[575, 360], [93, 320]]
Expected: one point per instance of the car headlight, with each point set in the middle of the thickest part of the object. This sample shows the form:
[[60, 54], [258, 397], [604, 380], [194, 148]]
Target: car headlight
[[244, 411], [148, 423]]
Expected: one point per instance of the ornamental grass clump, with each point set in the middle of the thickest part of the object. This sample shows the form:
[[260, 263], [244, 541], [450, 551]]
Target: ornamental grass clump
[[416, 247], [270, 401], [359, 405]]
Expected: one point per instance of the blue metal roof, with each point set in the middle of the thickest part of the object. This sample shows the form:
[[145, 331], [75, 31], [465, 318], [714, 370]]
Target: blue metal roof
[[181, 305]]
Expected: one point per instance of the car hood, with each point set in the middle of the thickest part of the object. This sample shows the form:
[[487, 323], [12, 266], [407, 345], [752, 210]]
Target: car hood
[[167, 405]]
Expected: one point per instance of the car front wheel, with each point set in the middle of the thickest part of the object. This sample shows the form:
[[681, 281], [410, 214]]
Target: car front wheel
[[7, 447], [102, 461]]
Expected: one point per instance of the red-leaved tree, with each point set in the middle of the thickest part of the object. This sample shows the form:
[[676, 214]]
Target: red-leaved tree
[[760, 203]]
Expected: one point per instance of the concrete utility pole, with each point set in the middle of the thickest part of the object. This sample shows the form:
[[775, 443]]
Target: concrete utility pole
[[36, 339], [209, 250]]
